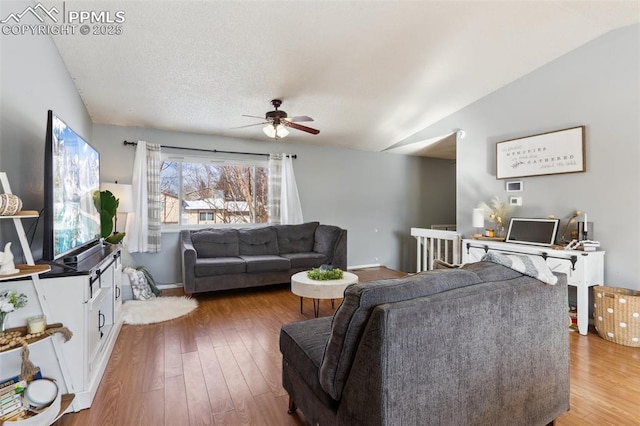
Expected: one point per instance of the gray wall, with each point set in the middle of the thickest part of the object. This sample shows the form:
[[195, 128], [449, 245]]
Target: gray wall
[[597, 85], [33, 79], [377, 197]]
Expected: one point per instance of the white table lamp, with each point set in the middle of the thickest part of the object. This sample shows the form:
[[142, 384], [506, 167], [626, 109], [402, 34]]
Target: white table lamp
[[478, 219]]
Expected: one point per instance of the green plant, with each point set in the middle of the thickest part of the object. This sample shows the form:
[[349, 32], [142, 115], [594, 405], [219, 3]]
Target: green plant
[[10, 301], [107, 205], [323, 274]]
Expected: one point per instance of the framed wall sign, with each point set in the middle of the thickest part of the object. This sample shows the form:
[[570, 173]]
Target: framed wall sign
[[550, 153]]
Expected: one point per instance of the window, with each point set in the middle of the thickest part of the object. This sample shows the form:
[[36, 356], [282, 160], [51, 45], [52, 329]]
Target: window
[[207, 190]]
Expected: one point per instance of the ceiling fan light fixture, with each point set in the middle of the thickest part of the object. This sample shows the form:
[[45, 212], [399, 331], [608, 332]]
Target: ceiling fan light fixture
[[277, 132]]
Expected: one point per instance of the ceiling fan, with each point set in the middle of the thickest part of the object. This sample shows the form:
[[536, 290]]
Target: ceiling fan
[[277, 121]]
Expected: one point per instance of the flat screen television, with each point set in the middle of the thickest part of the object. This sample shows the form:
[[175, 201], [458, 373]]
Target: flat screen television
[[71, 177], [541, 232]]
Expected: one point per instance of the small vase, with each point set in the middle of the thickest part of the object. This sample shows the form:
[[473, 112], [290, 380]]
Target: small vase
[[3, 315]]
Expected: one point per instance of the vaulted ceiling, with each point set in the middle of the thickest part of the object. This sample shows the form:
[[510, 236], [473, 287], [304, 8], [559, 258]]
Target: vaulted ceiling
[[371, 74]]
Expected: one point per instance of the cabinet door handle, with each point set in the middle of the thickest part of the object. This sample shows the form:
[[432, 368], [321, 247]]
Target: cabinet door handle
[[117, 292], [102, 319]]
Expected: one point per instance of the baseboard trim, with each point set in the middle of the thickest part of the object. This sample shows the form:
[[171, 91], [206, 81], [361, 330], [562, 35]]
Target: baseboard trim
[[372, 265], [170, 286]]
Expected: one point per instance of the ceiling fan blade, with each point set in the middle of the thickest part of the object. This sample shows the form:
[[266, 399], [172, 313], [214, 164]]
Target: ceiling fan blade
[[253, 116], [251, 125], [301, 127], [299, 118]]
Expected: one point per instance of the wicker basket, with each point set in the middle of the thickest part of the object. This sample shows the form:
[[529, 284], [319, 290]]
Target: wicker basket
[[617, 312]]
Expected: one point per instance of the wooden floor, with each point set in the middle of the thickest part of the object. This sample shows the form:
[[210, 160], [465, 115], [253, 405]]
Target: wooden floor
[[221, 365]]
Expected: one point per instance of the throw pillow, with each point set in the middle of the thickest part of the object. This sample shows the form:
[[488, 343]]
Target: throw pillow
[[533, 266], [139, 286], [441, 264]]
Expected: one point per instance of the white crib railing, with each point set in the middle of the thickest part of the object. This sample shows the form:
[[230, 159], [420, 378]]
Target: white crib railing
[[435, 244]]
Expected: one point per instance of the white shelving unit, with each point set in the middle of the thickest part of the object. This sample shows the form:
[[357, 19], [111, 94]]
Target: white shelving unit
[[32, 271], [86, 298]]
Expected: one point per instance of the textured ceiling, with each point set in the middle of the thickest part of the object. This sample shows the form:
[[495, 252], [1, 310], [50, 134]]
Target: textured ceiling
[[371, 74]]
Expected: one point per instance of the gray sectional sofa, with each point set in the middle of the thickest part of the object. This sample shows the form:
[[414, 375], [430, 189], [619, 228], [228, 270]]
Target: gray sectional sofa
[[228, 258], [481, 345]]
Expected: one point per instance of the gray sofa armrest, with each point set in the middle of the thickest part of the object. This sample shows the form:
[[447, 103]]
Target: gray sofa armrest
[[188, 256], [332, 242], [340, 252]]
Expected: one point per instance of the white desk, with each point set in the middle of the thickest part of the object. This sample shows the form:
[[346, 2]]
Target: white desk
[[303, 286], [584, 269]]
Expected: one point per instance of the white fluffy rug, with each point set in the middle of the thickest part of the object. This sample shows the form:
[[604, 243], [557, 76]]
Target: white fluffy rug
[[156, 310]]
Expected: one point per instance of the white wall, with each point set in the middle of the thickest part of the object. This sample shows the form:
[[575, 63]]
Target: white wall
[[33, 79], [377, 197], [597, 85]]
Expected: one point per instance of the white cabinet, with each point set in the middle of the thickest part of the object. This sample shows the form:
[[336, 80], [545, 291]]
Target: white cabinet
[[85, 301], [584, 269]]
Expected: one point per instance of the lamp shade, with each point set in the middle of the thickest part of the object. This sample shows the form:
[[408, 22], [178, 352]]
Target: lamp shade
[[123, 193], [478, 218], [276, 132]]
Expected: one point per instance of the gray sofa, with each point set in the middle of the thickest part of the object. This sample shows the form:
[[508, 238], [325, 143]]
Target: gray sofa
[[481, 345], [228, 258]]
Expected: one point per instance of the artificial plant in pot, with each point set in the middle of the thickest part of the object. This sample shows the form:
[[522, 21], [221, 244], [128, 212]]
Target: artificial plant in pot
[[107, 205]]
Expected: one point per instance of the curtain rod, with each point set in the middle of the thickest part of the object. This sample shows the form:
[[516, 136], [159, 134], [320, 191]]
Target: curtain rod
[[208, 150]]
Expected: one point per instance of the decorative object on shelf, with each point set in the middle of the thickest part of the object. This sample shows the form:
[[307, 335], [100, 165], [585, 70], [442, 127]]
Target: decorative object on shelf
[[324, 273], [41, 393], [10, 204], [497, 211], [549, 153], [7, 267], [9, 302], [36, 324], [571, 220], [585, 230]]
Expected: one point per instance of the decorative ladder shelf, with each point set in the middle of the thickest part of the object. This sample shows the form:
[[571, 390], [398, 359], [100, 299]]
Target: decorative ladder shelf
[[33, 271]]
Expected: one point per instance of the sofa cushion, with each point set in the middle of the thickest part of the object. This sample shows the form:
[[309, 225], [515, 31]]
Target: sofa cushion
[[219, 266], [258, 241], [302, 345], [215, 242], [296, 238], [352, 316], [266, 263], [306, 260], [326, 238]]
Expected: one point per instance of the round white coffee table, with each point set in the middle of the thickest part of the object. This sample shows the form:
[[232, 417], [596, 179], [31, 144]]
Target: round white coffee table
[[303, 286]]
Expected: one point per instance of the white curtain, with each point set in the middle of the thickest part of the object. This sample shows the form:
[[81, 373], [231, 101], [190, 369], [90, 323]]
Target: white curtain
[[143, 226], [284, 201]]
